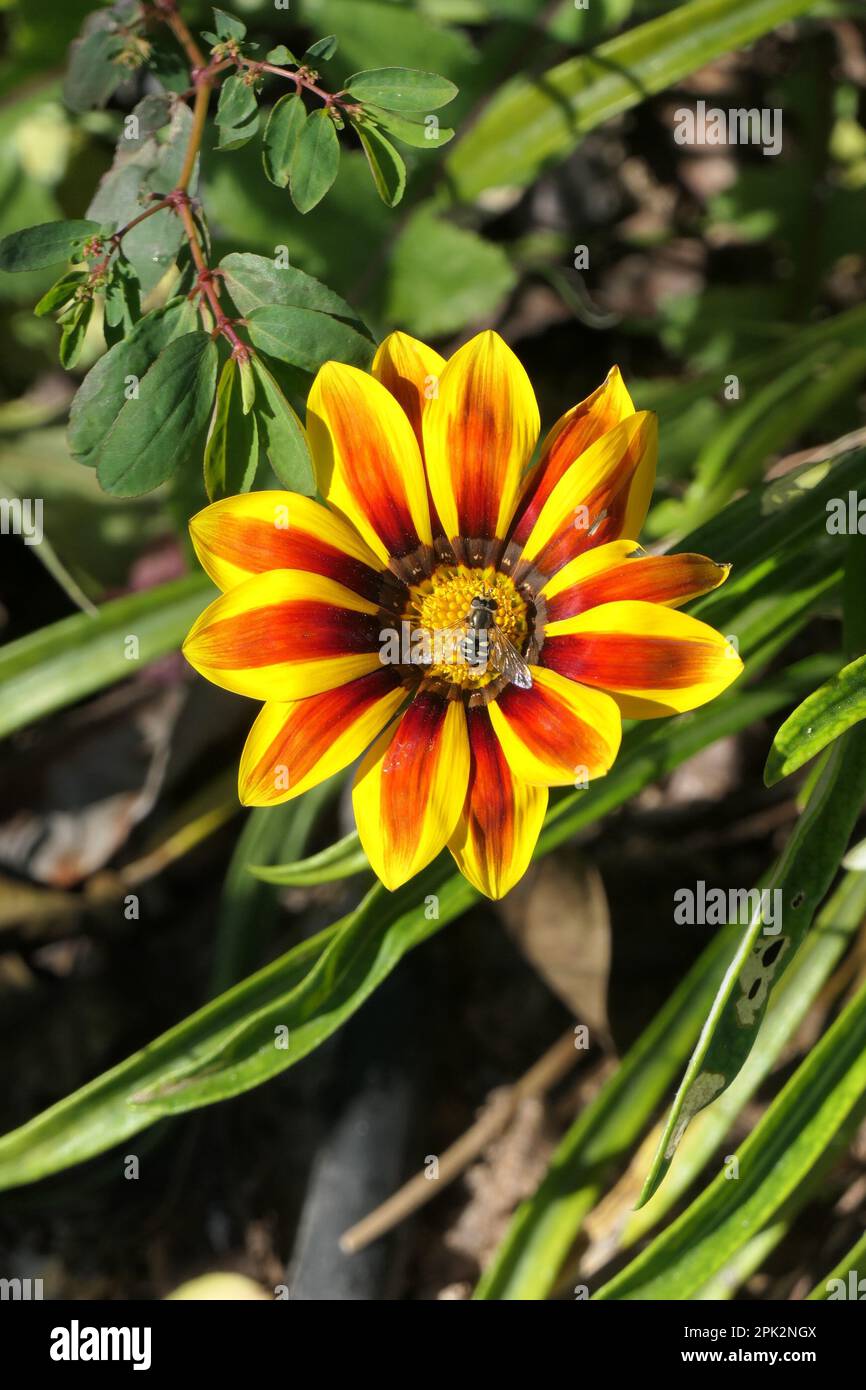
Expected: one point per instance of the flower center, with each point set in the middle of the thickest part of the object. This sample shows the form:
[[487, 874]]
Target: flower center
[[441, 606]]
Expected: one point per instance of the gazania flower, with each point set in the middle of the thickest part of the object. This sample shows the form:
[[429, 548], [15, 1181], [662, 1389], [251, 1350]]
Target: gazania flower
[[431, 500]]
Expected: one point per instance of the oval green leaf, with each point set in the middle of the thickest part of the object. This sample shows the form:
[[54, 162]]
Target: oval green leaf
[[401, 89], [316, 161]]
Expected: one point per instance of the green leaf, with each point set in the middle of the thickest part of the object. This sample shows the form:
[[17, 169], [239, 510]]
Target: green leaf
[[340, 860], [797, 885], [92, 74], [545, 1227], [228, 1046], [322, 49], [105, 1107], [151, 167], [282, 57], [285, 122], [306, 338], [235, 137], [64, 662], [156, 432], [852, 1263], [33, 248], [255, 281], [102, 394], [821, 718], [248, 385], [425, 134], [227, 27], [74, 329], [231, 455], [316, 161], [535, 121], [122, 308], [248, 910], [237, 102], [837, 925], [442, 277], [401, 89], [815, 1112], [282, 434], [60, 293], [386, 165]]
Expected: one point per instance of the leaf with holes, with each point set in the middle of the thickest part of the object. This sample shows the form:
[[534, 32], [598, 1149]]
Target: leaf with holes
[[821, 718]]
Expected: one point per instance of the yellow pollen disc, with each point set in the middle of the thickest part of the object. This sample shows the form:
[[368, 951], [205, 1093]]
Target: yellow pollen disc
[[440, 605]]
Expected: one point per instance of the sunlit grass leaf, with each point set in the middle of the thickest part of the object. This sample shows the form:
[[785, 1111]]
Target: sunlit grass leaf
[[535, 121], [846, 1279], [231, 455], [815, 1113], [386, 165], [34, 248], [157, 431], [401, 89], [306, 338], [285, 122], [340, 860], [315, 161], [282, 434], [103, 392], [65, 661], [796, 888], [822, 717]]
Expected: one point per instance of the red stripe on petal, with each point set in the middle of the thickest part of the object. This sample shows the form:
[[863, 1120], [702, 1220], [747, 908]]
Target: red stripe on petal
[[409, 770], [668, 579], [259, 546], [304, 630], [551, 731], [312, 726], [568, 439], [623, 661]]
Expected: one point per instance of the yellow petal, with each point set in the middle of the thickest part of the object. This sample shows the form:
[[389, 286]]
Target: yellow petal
[[411, 372], [367, 460], [284, 635], [654, 660], [410, 788], [502, 817], [479, 436], [258, 531], [292, 747], [558, 734]]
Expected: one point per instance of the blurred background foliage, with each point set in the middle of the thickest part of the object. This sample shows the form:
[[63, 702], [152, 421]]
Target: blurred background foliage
[[703, 264]]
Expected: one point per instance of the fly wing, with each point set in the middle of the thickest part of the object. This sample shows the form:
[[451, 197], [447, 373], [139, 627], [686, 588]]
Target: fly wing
[[507, 661]]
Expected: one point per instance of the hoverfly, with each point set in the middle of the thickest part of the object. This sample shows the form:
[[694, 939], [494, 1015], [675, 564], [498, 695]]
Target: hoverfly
[[482, 643]]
